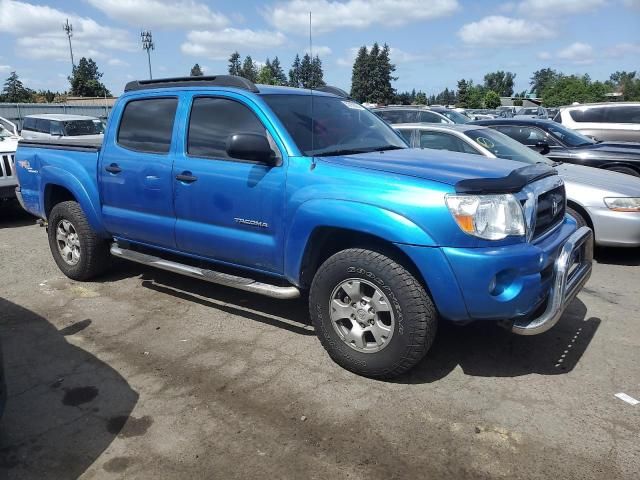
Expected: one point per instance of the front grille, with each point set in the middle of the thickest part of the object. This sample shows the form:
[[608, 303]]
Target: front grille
[[551, 207], [6, 165]]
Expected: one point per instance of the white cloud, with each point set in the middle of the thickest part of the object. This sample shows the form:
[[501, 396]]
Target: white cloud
[[328, 15], [395, 54], [217, 45], [320, 50], [39, 29], [499, 30], [544, 56], [578, 53], [623, 49], [162, 13], [5, 68], [116, 62], [556, 8]]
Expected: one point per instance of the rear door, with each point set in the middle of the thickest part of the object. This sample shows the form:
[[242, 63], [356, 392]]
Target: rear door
[[136, 172], [228, 209]]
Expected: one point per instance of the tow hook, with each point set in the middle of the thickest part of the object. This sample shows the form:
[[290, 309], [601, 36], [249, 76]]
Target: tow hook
[[43, 223]]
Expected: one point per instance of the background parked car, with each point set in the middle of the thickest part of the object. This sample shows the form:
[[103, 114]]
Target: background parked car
[[607, 202], [560, 143], [453, 115], [51, 126], [410, 114], [9, 126], [604, 121], [532, 112], [8, 179]]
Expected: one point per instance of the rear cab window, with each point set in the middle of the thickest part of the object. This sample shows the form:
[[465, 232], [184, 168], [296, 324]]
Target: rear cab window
[[146, 125]]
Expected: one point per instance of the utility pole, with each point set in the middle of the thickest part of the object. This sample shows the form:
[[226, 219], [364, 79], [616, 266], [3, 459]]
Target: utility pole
[[68, 28], [147, 44]]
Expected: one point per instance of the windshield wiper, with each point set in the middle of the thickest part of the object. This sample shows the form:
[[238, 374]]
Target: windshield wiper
[[353, 151], [387, 147]]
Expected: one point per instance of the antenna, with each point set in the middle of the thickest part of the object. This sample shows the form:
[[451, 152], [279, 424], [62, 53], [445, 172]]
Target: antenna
[[313, 158]]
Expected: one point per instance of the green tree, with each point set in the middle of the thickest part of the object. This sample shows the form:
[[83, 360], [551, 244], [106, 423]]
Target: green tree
[[14, 91], [463, 93], [317, 75], [475, 96], [196, 71], [359, 78], [294, 73], [543, 78], [421, 98], [306, 72], [568, 89], [278, 73], [235, 66], [500, 82], [249, 69], [383, 70], [85, 80], [491, 99]]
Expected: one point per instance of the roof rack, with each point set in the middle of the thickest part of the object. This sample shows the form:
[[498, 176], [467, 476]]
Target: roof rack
[[200, 81], [335, 90]]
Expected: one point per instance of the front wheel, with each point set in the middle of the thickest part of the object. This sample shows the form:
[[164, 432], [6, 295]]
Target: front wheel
[[371, 314], [625, 170]]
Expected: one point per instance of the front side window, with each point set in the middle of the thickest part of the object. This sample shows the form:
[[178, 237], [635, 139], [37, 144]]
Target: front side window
[[333, 126], [526, 135], [456, 117], [568, 136], [504, 147], [213, 121], [431, 117], [147, 125], [29, 124], [444, 141], [406, 134]]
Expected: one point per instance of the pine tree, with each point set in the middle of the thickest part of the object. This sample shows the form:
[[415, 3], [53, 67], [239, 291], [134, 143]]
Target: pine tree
[[421, 98], [235, 68], [306, 71], [384, 76], [359, 76], [85, 81], [317, 76], [265, 75], [249, 70], [463, 93], [14, 91], [278, 74], [196, 71], [294, 73]]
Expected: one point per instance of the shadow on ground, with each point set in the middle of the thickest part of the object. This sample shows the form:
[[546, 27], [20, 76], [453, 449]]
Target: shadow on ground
[[480, 349], [12, 215], [618, 256], [64, 405]]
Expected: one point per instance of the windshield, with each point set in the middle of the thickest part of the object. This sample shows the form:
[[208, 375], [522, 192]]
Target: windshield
[[569, 137], [4, 133], [455, 117], [528, 111], [505, 147], [75, 128], [340, 126]]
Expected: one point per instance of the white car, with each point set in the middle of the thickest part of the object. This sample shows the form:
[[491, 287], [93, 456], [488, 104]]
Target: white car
[[8, 145], [50, 126], [604, 121]]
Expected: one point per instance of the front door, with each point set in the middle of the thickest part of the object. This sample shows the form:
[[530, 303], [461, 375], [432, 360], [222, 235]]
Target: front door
[[136, 173], [228, 209]]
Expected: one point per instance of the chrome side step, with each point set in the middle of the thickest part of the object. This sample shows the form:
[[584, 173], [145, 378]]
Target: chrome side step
[[241, 283]]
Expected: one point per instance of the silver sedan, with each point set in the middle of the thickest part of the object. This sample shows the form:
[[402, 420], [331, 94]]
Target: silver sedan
[[608, 202]]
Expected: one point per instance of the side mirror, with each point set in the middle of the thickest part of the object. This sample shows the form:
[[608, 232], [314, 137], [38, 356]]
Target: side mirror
[[252, 147], [542, 147]]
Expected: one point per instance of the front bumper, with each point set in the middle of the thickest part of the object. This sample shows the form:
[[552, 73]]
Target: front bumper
[[615, 229], [571, 270]]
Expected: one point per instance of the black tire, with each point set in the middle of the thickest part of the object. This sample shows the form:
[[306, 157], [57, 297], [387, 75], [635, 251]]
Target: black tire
[[580, 220], [416, 317], [625, 170], [94, 256]]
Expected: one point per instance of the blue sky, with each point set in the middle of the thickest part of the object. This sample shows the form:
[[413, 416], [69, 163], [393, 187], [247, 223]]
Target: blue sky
[[434, 42]]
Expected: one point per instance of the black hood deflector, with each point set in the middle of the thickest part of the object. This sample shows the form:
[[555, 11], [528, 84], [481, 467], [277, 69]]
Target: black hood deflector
[[512, 183]]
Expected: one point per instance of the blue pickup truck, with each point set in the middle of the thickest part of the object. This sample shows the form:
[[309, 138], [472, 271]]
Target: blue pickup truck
[[282, 192]]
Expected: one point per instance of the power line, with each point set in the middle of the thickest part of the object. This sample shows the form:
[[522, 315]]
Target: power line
[[147, 44]]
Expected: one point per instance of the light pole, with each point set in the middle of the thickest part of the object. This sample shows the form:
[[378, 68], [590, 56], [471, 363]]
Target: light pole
[[68, 28], [147, 44]]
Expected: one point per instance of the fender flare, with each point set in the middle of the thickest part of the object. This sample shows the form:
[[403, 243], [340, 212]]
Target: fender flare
[[348, 215], [84, 190]]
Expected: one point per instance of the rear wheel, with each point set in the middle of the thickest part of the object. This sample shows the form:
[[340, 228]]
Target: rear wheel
[[371, 314], [76, 249], [625, 170]]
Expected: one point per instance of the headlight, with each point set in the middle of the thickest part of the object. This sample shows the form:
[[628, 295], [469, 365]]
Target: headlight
[[623, 204], [492, 217]]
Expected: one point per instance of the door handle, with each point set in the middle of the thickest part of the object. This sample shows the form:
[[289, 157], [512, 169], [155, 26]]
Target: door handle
[[113, 168], [186, 177]]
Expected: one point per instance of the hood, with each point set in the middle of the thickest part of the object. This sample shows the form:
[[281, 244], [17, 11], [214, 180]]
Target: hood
[[597, 178], [8, 144], [615, 149], [436, 165]]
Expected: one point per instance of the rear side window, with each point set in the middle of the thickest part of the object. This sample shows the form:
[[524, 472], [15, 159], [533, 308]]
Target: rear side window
[[43, 125], [397, 116], [29, 124], [444, 141], [406, 134], [588, 115], [213, 121], [431, 117], [625, 114], [147, 125]]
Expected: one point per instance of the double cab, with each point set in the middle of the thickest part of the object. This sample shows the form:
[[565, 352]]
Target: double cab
[[287, 192]]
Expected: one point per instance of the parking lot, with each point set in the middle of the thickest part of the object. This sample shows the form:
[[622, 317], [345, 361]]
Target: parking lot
[[146, 374]]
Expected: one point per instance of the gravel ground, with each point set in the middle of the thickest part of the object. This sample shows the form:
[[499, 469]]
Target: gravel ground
[[145, 374]]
